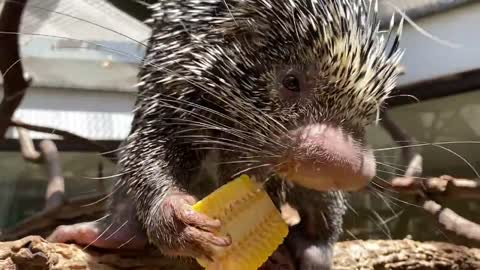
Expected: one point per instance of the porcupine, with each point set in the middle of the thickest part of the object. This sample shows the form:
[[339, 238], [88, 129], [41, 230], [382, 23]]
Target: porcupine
[[279, 89]]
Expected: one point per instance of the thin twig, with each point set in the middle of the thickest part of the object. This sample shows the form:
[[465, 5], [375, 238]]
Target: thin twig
[[444, 186]]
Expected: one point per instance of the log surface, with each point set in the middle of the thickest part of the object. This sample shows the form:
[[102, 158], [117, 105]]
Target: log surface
[[36, 253], [403, 255]]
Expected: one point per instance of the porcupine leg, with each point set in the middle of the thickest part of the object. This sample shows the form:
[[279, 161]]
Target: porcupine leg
[[311, 241], [118, 229], [162, 206], [281, 259]]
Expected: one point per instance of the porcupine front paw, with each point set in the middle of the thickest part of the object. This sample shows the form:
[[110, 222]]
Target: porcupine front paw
[[178, 230]]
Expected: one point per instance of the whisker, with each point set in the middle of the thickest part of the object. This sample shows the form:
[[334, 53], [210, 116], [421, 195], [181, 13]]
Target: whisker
[[384, 197], [217, 148], [440, 145], [208, 143], [266, 119], [11, 66], [126, 242], [270, 177], [264, 182], [405, 202], [113, 151], [421, 30], [423, 144], [405, 95], [237, 162], [232, 131], [229, 11], [383, 224], [442, 232], [392, 165], [249, 169], [224, 141], [107, 48], [103, 198], [29, 5], [382, 187], [399, 174], [102, 218], [100, 236], [143, 3], [396, 215], [377, 184], [238, 110], [240, 147], [208, 120], [461, 157], [351, 234], [252, 140], [98, 45], [349, 206], [117, 230], [248, 111], [105, 177]]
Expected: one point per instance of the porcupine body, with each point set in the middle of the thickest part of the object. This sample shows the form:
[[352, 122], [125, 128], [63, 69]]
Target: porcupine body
[[278, 89]]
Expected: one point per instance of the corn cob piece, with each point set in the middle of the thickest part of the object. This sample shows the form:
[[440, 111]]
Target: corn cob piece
[[251, 219]]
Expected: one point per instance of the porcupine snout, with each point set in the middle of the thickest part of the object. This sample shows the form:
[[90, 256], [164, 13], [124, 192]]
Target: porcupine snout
[[324, 157]]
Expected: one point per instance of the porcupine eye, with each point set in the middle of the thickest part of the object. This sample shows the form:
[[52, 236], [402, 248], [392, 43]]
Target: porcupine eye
[[291, 83]]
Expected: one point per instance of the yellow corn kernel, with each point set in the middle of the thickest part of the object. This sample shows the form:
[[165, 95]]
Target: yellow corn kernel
[[251, 219]]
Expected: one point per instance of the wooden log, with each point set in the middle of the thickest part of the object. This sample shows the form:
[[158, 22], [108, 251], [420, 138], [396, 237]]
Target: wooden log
[[34, 253], [404, 254]]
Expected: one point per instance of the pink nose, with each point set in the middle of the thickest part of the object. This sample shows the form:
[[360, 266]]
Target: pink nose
[[325, 158]]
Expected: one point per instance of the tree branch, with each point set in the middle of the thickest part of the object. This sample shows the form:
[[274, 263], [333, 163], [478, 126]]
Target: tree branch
[[55, 194], [14, 82], [78, 209], [27, 149], [104, 151], [48, 155], [452, 221], [444, 186], [55, 203], [429, 187]]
